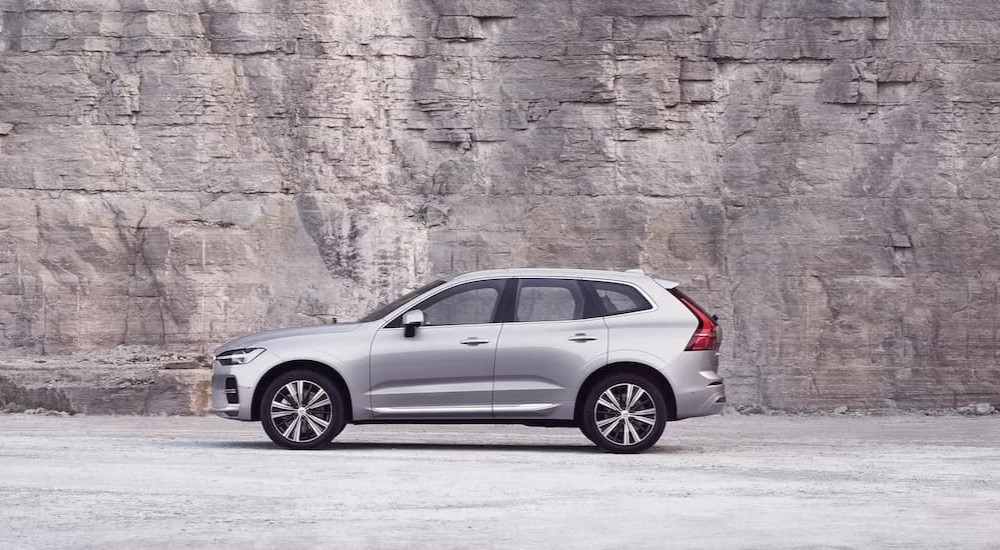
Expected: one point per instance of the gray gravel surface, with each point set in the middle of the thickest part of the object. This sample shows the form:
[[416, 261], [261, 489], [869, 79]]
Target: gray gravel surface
[[723, 482]]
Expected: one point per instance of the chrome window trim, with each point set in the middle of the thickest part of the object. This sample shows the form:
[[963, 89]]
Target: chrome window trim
[[493, 277]]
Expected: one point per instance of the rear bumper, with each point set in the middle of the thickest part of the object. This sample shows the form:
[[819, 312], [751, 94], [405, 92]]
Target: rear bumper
[[698, 388], [704, 402]]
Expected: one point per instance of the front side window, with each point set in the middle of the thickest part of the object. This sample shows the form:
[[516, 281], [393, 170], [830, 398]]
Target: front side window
[[386, 309], [617, 298], [548, 300], [469, 304]]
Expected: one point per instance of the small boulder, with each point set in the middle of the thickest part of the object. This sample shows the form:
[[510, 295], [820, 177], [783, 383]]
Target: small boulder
[[182, 365], [840, 410], [751, 409], [984, 409]]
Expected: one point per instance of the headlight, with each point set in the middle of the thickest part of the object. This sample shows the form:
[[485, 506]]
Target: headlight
[[238, 356]]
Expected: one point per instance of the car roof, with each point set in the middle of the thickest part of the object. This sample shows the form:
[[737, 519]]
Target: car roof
[[630, 275]]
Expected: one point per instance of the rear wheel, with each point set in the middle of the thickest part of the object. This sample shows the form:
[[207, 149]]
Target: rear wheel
[[624, 413], [302, 409]]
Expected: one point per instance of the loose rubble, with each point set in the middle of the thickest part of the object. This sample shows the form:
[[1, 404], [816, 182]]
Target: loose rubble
[[977, 409]]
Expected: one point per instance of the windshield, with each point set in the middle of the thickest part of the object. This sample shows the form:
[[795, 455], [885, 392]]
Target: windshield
[[386, 309]]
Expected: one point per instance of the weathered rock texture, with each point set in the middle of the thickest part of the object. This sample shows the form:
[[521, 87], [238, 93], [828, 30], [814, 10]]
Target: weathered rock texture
[[125, 380], [822, 173]]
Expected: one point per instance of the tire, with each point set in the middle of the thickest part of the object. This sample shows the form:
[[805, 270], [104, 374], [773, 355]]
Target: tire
[[294, 426], [605, 425]]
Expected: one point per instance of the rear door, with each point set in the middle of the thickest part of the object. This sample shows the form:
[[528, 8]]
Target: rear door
[[446, 369], [552, 338]]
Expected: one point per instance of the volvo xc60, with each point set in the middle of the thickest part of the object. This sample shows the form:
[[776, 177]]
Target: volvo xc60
[[617, 354]]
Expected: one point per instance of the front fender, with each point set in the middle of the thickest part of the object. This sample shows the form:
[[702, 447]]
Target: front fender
[[353, 371]]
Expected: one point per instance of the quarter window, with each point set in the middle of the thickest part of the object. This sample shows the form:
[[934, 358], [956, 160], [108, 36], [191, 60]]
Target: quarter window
[[548, 300], [618, 298]]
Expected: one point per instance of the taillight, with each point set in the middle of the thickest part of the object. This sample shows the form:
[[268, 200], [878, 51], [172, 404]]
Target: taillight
[[707, 336]]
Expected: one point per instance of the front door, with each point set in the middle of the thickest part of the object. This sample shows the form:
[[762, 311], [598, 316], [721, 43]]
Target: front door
[[446, 369], [553, 340]]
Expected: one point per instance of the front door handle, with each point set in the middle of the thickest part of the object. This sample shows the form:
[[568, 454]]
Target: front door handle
[[473, 341], [582, 337]]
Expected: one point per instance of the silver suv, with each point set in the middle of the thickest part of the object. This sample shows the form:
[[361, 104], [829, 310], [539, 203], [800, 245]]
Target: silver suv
[[615, 354]]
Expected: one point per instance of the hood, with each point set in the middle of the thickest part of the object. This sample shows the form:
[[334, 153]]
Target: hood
[[260, 339]]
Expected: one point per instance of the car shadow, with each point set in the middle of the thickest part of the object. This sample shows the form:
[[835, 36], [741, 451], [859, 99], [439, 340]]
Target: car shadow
[[410, 446]]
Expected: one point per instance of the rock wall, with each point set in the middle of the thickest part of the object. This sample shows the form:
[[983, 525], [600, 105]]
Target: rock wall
[[821, 173]]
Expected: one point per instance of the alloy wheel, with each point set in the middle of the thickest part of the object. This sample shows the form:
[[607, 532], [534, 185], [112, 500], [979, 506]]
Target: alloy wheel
[[625, 414], [301, 411]]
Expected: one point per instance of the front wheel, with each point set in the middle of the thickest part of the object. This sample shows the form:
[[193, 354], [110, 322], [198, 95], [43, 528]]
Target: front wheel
[[302, 409], [624, 413]]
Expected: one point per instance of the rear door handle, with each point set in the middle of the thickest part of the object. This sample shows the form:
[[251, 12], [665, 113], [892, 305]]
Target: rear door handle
[[582, 337], [473, 341]]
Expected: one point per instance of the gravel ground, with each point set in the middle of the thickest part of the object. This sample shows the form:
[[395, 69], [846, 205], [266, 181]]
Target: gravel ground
[[725, 482]]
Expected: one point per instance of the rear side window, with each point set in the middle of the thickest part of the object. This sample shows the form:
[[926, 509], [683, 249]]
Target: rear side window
[[548, 300], [617, 298]]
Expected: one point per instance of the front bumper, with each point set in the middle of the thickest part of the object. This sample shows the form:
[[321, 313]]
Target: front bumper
[[227, 411], [246, 378]]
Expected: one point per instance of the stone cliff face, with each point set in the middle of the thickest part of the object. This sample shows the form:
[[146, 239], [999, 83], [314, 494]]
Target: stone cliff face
[[821, 173]]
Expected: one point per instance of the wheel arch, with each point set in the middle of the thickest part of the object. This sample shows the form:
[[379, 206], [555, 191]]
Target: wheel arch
[[300, 364], [646, 371]]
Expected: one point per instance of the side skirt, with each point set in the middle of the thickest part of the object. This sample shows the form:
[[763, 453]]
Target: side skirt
[[505, 421]]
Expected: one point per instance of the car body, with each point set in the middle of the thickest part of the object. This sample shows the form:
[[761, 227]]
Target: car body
[[506, 346]]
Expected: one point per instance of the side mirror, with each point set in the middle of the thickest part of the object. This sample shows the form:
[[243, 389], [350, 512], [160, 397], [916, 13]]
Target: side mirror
[[411, 320]]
